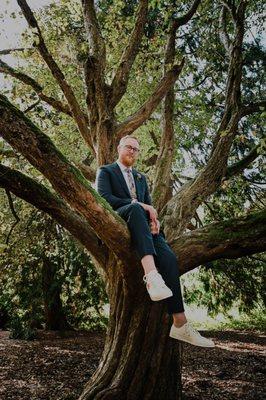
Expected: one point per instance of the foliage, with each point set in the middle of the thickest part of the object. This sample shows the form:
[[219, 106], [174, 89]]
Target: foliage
[[198, 108], [35, 240]]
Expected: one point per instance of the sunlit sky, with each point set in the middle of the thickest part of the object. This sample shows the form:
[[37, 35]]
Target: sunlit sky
[[11, 28]]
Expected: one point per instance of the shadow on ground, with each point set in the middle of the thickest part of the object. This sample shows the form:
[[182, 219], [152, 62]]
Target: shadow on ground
[[56, 367]]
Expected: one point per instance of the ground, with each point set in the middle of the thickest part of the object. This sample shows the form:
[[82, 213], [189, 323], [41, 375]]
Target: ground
[[56, 367]]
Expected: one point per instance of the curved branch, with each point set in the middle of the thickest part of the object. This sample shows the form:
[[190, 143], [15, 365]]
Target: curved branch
[[181, 208], [21, 76], [42, 198], [120, 80], [77, 113], [239, 166], [66, 179], [228, 239], [162, 189], [230, 6], [139, 117], [184, 19], [259, 106]]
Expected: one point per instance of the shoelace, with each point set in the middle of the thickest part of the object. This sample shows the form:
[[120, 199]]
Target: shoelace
[[189, 329], [155, 279]]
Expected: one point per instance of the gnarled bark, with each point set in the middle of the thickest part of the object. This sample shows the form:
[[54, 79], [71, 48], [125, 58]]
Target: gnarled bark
[[138, 361]]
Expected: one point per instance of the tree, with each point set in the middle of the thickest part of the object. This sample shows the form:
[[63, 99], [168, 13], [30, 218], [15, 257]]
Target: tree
[[138, 358]]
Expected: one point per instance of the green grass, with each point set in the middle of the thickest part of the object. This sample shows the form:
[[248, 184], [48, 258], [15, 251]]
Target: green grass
[[256, 321]]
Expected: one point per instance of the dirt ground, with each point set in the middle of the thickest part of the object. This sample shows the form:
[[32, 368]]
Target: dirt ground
[[56, 367]]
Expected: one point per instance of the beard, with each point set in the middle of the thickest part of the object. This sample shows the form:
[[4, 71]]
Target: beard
[[128, 160]]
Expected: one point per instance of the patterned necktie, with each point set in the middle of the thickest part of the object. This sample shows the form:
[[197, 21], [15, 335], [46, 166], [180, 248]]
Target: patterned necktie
[[132, 188]]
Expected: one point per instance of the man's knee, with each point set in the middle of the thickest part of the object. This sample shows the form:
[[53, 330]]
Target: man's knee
[[136, 209]]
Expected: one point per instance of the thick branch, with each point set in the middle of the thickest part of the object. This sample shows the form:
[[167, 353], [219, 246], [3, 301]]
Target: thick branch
[[252, 108], [184, 19], [183, 205], [6, 69], [162, 189], [66, 179], [96, 41], [239, 166], [120, 80], [88, 171], [42, 198], [77, 113], [228, 239], [136, 120]]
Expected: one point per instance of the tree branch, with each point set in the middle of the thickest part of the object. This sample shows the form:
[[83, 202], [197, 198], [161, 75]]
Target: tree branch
[[239, 166], [5, 52], [252, 108], [6, 69], [96, 41], [224, 37], [12, 208], [66, 179], [184, 19], [136, 120], [42, 198], [77, 113], [120, 80], [230, 6], [181, 208], [32, 106], [228, 239], [162, 188]]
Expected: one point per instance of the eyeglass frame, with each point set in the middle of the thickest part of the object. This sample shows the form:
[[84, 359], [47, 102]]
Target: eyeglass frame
[[129, 147]]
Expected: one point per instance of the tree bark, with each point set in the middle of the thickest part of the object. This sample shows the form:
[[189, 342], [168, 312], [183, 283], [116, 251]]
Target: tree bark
[[55, 318], [139, 361]]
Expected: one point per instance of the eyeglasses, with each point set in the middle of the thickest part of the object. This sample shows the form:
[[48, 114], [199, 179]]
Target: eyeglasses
[[131, 148]]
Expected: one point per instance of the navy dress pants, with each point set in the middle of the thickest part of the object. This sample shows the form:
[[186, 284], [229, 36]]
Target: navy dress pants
[[145, 243]]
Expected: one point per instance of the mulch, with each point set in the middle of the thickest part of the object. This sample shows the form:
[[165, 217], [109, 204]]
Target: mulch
[[56, 367]]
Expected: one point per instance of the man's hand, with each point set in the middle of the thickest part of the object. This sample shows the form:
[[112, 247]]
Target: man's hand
[[155, 227], [152, 212]]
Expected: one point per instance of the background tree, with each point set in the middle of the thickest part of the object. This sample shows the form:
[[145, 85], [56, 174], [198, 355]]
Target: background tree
[[46, 279], [213, 77]]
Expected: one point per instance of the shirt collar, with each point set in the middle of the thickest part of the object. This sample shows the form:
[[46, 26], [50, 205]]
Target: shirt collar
[[122, 166]]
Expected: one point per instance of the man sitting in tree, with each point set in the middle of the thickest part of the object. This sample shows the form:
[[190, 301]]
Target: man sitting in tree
[[126, 190]]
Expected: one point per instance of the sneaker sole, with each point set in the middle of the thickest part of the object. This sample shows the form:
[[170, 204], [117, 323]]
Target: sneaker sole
[[194, 344], [154, 298]]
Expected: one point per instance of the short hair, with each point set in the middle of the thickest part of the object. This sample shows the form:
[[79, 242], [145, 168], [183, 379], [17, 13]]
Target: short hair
[[122, 140]]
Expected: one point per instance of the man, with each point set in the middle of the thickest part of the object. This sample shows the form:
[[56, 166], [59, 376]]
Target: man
[[126, 190]]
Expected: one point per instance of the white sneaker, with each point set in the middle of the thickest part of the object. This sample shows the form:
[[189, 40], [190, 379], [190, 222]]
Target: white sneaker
[[188, 334], [156, 286]]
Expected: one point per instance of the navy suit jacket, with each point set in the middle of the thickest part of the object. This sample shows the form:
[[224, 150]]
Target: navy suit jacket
[[111, 185]]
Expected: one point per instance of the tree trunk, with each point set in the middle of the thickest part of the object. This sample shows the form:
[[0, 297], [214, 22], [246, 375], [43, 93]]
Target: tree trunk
[[53, 311], [139, 361]]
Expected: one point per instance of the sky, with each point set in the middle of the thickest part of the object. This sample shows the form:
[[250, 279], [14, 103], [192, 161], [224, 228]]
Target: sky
[[11, 28]]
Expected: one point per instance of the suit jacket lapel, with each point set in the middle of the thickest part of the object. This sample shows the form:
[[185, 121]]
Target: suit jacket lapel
[[121, 178]]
